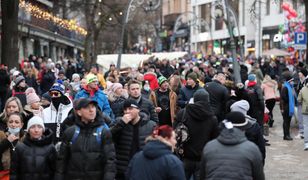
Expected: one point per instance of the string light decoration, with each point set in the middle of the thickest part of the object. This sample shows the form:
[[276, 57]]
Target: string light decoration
[[41, 14]]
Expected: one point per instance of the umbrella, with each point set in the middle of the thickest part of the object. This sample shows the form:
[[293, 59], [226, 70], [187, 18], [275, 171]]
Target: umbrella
[[276, 52]]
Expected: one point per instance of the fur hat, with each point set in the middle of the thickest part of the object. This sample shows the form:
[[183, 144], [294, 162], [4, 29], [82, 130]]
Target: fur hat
[[31, 96], [192, 76], [240, 106], [18, 80], [35, 120]]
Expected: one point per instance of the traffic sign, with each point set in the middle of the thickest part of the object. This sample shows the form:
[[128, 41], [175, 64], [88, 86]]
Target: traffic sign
[[300, 40]]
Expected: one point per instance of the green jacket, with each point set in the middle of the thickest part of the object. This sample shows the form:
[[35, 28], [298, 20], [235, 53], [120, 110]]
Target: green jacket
[[303, 98]]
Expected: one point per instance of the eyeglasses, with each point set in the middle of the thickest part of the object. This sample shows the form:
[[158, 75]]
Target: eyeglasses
[[55, 94]]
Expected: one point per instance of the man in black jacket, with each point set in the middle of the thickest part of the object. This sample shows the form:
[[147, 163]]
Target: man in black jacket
[[219, 95], [146, 106], [87, 150], [129, 133]]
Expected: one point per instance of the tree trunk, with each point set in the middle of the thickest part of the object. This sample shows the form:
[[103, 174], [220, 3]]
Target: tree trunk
[[87, 50], [9, 48]]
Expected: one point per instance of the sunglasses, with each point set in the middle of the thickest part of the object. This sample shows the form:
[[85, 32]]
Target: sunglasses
[[55, 94]]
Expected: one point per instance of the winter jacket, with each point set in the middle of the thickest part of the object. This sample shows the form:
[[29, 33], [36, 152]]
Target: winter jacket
[[152, 78], [172, 102], [219, 95], [117, 106], [122, 135], [85, 158], [269, 89], [34, 159], [6, 149], [166, 71], [257, 102], [185, 94], [303, 98], [202, 126], [99, 96], [19, 93], [155, 162], [52, 117], [231, 156]]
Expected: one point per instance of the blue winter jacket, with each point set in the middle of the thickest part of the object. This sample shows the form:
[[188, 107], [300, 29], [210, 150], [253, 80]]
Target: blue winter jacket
[[99, 97], [155, 162]]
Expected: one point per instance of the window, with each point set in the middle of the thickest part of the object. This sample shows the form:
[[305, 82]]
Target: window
[[206, 15], [280, 4]]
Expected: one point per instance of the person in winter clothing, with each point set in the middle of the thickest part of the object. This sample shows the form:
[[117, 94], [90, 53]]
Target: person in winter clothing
[[100, 78], [146, 106], [253, 133], [45, 100], [58, 110], [33, 107], [47, 80], [156, 161], [116, 98], [5, 84], [303, 76], [219, 95], [129, 133], [92, 91], [256, 99], [303, 99], [202, 125], [75, 83], [30, 73], [187, 92], [231, 155], [151, 77], [164, 101], [12, 105], [146, 90], [87, 150], [165, 69], [19, 90], [287, 104], [8, 142], [34, 158], [269, 88]]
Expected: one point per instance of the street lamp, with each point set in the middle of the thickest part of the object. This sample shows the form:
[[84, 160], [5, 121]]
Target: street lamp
[[131, 7]]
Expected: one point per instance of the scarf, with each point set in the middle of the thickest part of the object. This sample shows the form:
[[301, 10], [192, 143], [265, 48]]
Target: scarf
[[251, 83], [291, 98]]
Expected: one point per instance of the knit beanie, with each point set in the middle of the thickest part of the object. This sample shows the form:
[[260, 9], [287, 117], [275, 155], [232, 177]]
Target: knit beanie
[[251, 77], [58, 86], [18, 80], [74, 76], [35, 120], [240, 106], [201, 95], [91, 78], [161, 80], [116, 86], [192, 76], [31, 96]]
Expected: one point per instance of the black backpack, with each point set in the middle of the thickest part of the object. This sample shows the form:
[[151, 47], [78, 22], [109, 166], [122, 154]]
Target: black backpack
[[182, 135]]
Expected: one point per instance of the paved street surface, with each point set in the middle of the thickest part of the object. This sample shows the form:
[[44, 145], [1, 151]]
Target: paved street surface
[[285, 159]]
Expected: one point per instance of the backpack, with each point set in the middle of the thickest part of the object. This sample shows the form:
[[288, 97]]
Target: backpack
[[99, 132], [182, 135]]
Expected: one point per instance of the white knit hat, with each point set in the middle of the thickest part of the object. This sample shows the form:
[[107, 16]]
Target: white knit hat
[[35, 120]]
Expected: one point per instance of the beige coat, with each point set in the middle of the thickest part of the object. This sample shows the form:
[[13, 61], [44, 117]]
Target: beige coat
[[303, 98]]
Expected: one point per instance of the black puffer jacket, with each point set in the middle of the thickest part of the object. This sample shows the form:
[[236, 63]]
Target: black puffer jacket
[[123, 136], [84, 158], [147, 107], [202, 125], [34, 159], [117, 106]]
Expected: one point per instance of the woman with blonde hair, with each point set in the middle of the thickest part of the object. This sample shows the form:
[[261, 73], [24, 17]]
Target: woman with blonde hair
[[12, 105], [269, 87]]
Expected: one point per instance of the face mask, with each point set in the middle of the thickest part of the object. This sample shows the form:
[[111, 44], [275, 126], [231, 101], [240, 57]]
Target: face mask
[[14, 130]]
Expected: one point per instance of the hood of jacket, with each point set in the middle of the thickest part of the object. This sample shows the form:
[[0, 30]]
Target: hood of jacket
[[155, 149], [231, 136], [199, 111], [45, 140]]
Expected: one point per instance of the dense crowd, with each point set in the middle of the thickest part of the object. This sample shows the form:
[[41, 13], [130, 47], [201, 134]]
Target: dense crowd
[[167, 119]]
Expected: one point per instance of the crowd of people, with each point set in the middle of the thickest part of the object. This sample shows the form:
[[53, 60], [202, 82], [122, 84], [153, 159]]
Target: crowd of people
[[61, 121]]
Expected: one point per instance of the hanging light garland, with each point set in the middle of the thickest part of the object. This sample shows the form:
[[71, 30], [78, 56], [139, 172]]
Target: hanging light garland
[[41, 14]]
